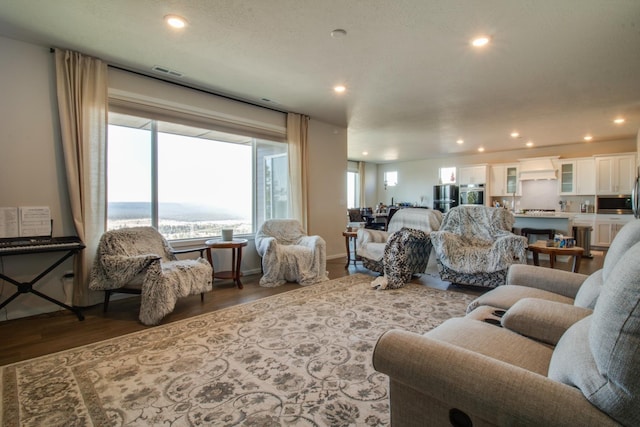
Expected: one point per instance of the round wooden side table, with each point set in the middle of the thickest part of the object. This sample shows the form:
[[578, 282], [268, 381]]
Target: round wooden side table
[[540, 247], [348, 236], [236, 246]]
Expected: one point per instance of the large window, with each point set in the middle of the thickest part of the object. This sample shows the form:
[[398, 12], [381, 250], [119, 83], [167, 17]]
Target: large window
[[353, 185], [352, 189], [447, 175], [191, 182]]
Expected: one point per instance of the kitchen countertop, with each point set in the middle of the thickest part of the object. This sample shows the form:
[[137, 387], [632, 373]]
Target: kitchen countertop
[[546, 215]]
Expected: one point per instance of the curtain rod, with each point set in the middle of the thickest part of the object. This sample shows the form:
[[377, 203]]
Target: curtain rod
[[207, 91]]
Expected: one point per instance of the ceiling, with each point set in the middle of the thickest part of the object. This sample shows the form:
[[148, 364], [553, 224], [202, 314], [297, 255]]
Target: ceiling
[[555, 70]]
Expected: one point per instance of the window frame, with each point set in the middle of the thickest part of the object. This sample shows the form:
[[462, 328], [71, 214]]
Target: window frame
[[154, 160]]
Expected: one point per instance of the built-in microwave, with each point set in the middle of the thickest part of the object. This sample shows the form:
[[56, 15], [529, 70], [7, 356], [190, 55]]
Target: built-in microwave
[[614, 204]]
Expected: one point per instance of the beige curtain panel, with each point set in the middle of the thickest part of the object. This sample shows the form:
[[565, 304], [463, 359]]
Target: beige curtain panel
[[297, 130], [81, 83]]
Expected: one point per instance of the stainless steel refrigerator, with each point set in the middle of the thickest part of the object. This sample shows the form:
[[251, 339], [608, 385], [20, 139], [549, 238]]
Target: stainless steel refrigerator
[[445, 197]]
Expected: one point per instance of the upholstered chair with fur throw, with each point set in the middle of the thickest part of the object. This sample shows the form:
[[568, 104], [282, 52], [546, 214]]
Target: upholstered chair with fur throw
[[139, 260], [289, 254], [475, 246]]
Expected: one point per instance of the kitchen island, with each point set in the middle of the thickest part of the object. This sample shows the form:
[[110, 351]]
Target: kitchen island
[[561, 222]]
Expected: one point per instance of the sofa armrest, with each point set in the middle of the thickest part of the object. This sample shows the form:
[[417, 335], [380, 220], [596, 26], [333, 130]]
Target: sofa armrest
[[123, 264], [187, 251], [487, 390], [115, 271], [368, 235], [264, 245], [542, 320], [557, 281], [311, 242]]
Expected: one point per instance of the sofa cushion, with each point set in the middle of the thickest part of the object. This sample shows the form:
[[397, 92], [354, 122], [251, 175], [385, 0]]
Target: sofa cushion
[[572, 362], [599, 354], [495, 342], [505, 296], [625, 239], [542, 320], [589, 291]]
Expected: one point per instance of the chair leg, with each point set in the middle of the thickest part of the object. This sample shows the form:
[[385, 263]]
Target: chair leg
[[107, 295], [201, 296]]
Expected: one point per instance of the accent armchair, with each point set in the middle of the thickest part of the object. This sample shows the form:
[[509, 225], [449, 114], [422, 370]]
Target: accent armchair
[[371, 243], [475, 246], [289, 254], [139, 260]]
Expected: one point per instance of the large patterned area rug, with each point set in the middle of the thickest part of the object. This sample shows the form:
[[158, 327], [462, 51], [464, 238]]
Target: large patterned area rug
[[300, 358]]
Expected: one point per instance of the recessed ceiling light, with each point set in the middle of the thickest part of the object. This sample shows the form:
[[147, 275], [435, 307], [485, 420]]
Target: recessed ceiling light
[[529, 144], [480, 41], [619, 120], [339, 88], [460, 141], [365, 153], [175, 21], [515, 134], [481, 149], [588, 138]]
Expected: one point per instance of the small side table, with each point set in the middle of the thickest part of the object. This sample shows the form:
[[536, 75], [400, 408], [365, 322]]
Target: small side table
[[236, 246], [540, 247], [348, 236]]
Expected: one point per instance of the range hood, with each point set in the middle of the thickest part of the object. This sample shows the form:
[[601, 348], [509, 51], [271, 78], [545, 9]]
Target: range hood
[[537, 168]]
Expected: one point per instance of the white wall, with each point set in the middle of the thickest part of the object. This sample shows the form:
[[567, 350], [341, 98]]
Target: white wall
[[328, 185], [370, 184], [31, 166], [417, 178], [32, 174]]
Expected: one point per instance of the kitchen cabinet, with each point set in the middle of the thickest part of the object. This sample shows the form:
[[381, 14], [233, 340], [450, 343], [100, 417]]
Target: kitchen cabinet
[[504, 181], [615, 174], [577, 177], [606, 228], [472, 175]]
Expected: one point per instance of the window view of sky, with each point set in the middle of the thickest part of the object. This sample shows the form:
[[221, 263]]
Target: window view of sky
[[203, 185], [190, 170]]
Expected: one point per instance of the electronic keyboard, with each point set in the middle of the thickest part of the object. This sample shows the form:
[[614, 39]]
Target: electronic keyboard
[[23, 245]]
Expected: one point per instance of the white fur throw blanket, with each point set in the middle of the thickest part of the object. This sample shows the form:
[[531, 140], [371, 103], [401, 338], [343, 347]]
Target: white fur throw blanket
[[474, 239], [141, 257], [289, 255]]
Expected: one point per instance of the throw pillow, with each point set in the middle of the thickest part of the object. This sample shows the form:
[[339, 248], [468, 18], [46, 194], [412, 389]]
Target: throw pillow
[[589, 291]]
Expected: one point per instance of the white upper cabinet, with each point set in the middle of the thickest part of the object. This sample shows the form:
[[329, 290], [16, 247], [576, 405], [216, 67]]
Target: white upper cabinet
[[586, 176], [504, 180], [615, 174], [472, 175], [497, 181], [577, 177]]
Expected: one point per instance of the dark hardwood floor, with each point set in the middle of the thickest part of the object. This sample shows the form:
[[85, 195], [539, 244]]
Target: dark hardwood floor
[[39, 335]]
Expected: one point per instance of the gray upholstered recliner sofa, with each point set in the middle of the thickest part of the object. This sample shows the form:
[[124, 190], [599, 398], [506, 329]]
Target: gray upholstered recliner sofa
[[541, 362], [527, 281]]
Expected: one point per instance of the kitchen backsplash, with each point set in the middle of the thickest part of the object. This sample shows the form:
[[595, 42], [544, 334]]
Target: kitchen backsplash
[[543, 194]]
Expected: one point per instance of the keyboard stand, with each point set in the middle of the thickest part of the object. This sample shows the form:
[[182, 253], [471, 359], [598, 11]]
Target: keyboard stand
[[27, 287]]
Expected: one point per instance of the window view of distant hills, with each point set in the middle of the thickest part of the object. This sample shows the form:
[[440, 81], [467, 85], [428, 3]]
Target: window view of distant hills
[[178, 220]]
